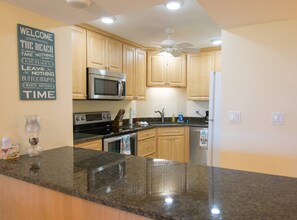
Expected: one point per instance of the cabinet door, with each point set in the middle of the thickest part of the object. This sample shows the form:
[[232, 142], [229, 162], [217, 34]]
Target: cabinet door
[[176, 71], [96, 50], [199, 67], [164, 147], [114, 51], [78, 37], [146, 147], [218, 61], [140, 74], [94, 145], [156, 69], [129, 70], [178, 148]]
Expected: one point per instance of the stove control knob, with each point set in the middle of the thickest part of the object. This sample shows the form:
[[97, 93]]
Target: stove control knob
[[82, 118], [104, 116], [108, 116], [77, 119]]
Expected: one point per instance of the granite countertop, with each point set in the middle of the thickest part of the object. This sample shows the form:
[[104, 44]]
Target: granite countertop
[[158, 189], [83, 137]]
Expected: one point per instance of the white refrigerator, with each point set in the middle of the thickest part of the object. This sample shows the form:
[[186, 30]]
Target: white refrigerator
[[214, 124]]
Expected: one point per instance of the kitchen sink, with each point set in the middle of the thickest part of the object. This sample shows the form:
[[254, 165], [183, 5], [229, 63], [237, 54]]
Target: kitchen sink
[[166, 123]]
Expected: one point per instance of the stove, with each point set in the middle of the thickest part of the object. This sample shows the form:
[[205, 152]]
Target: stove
[[86, 124], [98, 123]]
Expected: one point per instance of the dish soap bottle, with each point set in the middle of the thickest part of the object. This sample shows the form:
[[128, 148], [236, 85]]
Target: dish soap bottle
[[173, 118]]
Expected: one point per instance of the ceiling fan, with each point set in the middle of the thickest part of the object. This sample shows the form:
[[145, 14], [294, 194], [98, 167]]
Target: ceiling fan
[[175, 49]]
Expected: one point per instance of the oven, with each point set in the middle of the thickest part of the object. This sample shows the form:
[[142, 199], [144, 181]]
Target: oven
[[103, 84], [116, 144]]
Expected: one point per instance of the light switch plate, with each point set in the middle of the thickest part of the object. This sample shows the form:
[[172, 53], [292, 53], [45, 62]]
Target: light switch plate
[[278, 118], [234, 116]]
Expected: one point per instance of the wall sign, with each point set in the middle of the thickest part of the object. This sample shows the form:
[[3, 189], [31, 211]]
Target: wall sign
[[37, 75]]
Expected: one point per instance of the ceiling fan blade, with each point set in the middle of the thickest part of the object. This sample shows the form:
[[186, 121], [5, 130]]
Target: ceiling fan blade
[[190, 50], [184, 45], [175, 53]]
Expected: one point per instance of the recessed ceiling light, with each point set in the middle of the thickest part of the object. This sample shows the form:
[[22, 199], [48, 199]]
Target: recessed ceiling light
[[216, 42], [108, 20], [174, 4], [79, 3]]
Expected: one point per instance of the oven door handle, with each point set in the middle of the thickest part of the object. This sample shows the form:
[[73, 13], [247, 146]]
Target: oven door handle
[[113, 139]]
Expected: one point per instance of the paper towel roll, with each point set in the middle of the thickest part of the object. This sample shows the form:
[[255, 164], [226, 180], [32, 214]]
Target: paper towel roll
[[130, 116]]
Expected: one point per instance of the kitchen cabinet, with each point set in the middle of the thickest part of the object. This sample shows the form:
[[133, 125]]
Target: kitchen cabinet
[[199, 67], [93, 145], [165, 70], [147, 143], [173, 143], [79, 57], [104, 52], [134, 66]]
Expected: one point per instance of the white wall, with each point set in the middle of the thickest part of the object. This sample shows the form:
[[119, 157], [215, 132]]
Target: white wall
[[56, 119], [259, 77], [173, 100]]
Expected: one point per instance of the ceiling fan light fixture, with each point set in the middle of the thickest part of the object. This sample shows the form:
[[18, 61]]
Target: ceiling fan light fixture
[[108, 20], [216, 42], [174, 4], [79, 3]]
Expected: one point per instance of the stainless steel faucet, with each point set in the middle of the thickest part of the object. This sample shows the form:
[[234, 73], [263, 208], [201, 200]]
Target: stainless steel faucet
[[162, 114]]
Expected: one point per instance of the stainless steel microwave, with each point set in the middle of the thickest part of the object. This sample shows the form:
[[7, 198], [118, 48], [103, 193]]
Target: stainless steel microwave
[[103, 84]]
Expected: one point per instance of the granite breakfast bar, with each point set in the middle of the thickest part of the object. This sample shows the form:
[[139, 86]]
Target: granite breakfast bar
[[74, 183]]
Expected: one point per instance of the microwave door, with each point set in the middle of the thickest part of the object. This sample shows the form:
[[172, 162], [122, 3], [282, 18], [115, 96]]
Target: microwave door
[[103, 88]]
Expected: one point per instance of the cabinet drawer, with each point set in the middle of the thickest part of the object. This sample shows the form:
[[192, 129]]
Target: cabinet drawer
[[146, 134], [171, 131], [146, 147], [93, 145]]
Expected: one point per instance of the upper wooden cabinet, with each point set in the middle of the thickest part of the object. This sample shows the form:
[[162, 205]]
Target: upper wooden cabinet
[[165, 70], [199, 67], [79, 58], [134, 66], [104, 52]]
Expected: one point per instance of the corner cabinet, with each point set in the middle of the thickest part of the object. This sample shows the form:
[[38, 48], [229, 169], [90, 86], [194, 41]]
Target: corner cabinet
[[165, 70], [79, 57], [134, 66], [199, 67], [147, 143], [104, 52]]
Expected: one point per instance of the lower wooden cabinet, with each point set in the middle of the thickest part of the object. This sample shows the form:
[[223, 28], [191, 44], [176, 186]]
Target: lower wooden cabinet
[[173, 143], [147, 143], [93, 145]]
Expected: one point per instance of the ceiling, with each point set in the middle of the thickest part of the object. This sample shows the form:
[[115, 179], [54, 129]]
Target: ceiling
[[144, 21], [143, 26], [235, 13], [140, 21]]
